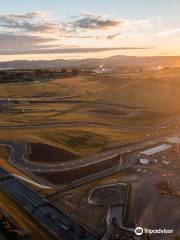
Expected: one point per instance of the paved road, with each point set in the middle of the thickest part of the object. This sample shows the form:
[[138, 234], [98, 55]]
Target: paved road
[[18, 151], [24, 179], [18, 160], [58, 222], [114, 220]]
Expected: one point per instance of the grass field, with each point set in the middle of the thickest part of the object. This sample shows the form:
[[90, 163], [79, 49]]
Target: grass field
[[90, 113]]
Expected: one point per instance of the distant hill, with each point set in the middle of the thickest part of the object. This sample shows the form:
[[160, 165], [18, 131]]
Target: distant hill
[[111, 62]]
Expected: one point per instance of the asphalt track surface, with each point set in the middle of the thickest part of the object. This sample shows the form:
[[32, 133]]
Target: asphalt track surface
[[18, 160]]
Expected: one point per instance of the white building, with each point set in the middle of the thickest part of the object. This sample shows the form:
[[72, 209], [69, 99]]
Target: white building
[[155, 150]]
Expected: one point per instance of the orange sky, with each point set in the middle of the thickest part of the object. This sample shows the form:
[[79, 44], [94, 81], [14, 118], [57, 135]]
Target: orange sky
[[54, 29]]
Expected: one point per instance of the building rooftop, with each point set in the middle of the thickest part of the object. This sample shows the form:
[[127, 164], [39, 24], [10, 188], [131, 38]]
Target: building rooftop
[[157, 149]]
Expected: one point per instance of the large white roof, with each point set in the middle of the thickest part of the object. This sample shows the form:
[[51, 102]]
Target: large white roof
[[157, 149]]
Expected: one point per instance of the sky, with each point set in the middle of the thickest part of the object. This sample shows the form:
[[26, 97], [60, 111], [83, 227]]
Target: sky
[[69, 29]]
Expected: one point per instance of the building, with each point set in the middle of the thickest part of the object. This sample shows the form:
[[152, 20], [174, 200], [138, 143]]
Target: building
[[157, 149]]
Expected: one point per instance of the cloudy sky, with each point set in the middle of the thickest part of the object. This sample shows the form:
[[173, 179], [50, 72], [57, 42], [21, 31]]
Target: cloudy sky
[[51, 29]]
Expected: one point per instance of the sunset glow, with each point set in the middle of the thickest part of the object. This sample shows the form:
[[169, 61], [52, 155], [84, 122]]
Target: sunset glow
[[51, 30]]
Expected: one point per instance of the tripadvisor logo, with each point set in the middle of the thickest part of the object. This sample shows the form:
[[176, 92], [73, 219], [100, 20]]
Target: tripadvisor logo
[[139, 231]]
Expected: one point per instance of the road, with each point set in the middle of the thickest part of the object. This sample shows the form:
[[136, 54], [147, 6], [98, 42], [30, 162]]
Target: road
[[18, 160], [24, 179], [54, 220]]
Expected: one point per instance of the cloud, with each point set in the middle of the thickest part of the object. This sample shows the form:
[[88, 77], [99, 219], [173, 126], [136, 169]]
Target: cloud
[[13, 41], [144, 23], [26, 16], [113, 36], [98, 37], [39, 23], [67, 50], [93, 22], [30, 22], [169, 32], [36, 33]]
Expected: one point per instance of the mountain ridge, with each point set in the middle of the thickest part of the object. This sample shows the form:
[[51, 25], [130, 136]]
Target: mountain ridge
[[91, 63]]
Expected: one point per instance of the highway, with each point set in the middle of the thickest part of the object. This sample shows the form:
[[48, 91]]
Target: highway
[[61, 224]]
